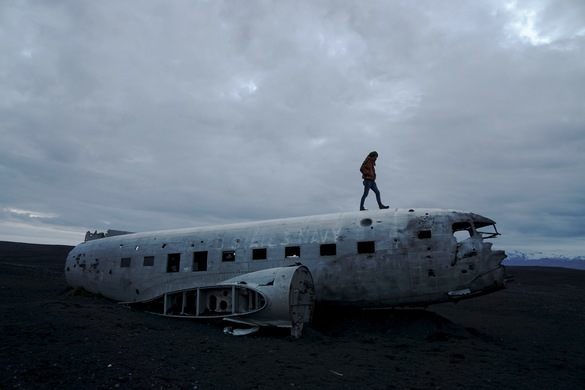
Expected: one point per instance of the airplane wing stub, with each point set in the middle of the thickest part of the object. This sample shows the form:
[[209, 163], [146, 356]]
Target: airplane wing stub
[[282, 297]]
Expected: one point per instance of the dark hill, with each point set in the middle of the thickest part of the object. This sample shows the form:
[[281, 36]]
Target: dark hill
[[51, 257]]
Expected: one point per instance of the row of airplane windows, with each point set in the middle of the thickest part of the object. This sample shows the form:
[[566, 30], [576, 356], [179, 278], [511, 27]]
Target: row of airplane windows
[[200, 257]]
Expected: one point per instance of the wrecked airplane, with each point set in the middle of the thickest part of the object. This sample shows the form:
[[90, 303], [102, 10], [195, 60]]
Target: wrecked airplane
[[271, 273]]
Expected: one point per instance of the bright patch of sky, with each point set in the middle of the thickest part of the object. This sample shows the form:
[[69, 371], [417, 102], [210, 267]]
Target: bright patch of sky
[[530, 22], [524, 24]]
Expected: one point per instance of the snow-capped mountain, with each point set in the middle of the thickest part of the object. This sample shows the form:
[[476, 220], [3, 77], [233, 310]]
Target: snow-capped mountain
[[542, 259]]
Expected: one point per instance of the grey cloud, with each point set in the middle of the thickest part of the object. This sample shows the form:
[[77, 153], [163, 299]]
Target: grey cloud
[[157, 115]]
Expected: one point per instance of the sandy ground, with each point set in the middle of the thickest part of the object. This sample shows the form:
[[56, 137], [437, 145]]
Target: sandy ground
[[531, 335]]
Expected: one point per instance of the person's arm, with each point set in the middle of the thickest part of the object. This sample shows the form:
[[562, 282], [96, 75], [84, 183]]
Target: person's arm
[[368, 170]]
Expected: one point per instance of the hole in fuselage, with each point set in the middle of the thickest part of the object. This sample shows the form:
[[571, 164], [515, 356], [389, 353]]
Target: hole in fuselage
[[366, 222]]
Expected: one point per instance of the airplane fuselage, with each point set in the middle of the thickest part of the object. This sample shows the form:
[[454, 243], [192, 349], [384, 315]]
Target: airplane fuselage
[[369, 258]]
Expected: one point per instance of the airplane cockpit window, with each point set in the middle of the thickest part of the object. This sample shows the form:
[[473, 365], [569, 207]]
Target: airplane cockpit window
[[487, 230], [466, 247], [462, 231]]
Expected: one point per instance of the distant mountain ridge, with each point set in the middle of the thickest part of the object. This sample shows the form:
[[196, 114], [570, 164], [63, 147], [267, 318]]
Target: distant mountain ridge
[[544, 260]]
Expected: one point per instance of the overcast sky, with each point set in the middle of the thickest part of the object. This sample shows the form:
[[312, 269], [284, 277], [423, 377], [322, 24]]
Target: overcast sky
[[145, 115]]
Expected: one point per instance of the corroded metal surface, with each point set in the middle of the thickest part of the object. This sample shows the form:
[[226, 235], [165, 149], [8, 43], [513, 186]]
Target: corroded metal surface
[[369, 258]]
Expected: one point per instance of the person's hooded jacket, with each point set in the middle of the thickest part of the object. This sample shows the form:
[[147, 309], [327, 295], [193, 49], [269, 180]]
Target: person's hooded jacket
[[368, 169]]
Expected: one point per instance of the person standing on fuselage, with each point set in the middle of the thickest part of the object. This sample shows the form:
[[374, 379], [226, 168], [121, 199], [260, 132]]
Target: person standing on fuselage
[[368, 171]]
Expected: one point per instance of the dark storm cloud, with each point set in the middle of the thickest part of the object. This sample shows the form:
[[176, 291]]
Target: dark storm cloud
[[152, 114]]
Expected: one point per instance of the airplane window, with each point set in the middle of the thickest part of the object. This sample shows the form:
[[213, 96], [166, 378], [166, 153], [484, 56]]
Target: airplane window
[[173, 262], [328, 249], [462, 231], [125, 262], [488, 230], [292, 251], [259, 254], [424, 234], [461, 235], [366, 247], [228, 256], [148, 261], [199, 261]]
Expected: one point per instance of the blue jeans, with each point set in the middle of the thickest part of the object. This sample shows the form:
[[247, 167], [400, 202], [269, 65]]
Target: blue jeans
[[370, 184]]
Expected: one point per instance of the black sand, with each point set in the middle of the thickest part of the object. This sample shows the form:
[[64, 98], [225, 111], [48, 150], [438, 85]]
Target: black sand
[[531, 335]]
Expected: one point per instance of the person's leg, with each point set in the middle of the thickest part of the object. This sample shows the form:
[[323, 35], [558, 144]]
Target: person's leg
[[367, 184], [377, 192]]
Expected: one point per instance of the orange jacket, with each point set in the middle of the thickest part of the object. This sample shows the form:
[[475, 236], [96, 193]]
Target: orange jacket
[[368, 169]]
